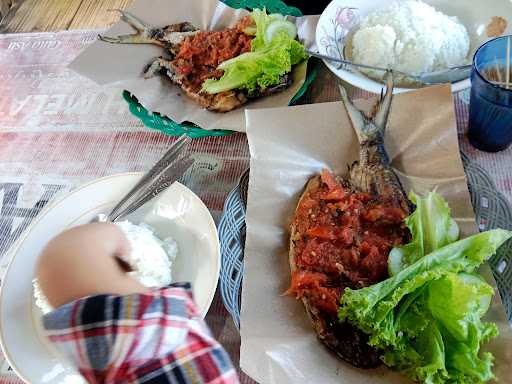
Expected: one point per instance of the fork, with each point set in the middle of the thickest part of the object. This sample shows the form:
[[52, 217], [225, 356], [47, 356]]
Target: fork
[[164, 173], [449, 75]]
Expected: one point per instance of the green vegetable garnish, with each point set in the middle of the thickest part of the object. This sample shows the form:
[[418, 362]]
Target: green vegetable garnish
[[268, 60], [427, 318], [431, 226]]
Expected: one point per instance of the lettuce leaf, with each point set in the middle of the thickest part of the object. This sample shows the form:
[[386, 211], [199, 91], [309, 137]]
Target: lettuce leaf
[[427, 318], [431, 227], [442, 332], [456, 299], [372, 308], [264, 66], [262, 21]]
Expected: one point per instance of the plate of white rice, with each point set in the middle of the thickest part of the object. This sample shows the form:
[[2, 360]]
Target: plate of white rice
[[411, 36], [172, 239]]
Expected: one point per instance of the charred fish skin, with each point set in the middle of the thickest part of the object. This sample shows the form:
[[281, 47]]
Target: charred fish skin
[[372, 173], [351, 345]]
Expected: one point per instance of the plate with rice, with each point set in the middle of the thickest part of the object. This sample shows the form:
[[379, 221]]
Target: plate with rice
[[172, 239], [411, 36]]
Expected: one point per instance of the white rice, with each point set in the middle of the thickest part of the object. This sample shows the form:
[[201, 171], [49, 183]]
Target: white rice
[[410, 36], [40, 299], [150, 258]]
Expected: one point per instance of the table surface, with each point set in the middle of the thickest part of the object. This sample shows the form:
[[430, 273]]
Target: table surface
[[58, 15]]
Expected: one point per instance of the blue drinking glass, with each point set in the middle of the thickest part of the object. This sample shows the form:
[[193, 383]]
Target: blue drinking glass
[[490, 108]]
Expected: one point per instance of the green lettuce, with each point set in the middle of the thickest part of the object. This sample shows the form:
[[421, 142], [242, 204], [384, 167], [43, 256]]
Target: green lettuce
[[454, 300], [427, 318], [431, 227], [262, 21], [441, 332], [264, 66]]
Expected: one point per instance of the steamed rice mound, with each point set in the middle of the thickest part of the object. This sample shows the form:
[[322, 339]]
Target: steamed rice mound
[[412, 37]]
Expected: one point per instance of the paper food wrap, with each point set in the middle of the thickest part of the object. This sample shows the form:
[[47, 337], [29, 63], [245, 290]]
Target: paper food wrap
[[123, 64], [288, 147]]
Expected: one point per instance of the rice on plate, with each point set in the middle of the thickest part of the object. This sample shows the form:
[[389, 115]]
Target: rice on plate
[[150, 259], [410, 36]]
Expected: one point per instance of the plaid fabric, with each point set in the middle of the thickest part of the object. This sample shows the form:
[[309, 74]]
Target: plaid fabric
[[143, 338]]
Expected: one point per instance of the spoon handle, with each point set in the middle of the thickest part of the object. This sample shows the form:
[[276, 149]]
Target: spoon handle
[[448, 75], [168, 159], [350, 63], [166, 178]]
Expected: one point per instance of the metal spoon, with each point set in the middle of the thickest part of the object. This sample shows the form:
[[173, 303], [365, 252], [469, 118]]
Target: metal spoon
[[449, 75], [165, 172]]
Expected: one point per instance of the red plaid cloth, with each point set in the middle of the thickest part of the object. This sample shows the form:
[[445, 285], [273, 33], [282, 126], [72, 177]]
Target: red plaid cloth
[[143, 338]]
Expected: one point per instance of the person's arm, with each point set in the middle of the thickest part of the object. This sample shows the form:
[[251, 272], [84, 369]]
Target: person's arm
[[84, 261]]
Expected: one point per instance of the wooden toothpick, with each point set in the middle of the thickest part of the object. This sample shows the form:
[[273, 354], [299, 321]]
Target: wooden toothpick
[[500, 83], [498, 71], [507, 74]]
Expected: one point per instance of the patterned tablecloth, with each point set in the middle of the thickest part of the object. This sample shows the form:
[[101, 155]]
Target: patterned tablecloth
[[59, 130]]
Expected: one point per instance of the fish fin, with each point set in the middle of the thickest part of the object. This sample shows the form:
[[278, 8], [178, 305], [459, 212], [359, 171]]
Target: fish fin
[[144, 33], [384, 106], [159, 65]]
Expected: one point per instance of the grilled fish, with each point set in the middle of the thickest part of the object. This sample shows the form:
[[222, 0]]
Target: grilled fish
[[343, 230], [193, 56]]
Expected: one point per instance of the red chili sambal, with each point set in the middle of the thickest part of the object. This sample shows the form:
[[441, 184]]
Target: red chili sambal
[[344, 241], [200, 55]]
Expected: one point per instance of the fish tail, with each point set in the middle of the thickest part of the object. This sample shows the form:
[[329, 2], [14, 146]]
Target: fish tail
[[370, 128], [383, 107]]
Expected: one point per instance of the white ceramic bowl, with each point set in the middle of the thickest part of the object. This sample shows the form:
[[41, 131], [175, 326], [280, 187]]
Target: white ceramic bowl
[[177, 212], [342, 16]]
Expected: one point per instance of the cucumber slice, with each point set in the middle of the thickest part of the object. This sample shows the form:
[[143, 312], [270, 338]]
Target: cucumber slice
[[453, 231], [395, 261], [277, 26]]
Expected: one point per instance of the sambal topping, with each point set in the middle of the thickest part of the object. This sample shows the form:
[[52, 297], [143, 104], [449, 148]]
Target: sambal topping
[[345, 240], [200, 55], [389, 214], [308, 283], [330, 181]]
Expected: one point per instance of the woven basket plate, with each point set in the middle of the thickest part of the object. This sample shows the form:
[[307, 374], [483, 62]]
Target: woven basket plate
[[492, 210]]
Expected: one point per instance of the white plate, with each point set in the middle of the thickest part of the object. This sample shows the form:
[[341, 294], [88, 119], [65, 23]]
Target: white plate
[[177, 212], [342, 16]]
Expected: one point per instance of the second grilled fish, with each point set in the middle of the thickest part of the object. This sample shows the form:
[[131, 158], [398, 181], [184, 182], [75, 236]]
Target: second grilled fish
[[193, 56]]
